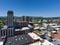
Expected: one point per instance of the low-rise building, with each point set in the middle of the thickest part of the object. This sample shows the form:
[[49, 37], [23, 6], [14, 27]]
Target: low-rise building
[[44, 43], [56, 35], [18, 40], [23, 30]]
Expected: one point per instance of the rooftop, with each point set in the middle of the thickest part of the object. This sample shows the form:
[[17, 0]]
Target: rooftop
[[34, 36], [24, 28], [18, 40], [44, 43], [56, 34]]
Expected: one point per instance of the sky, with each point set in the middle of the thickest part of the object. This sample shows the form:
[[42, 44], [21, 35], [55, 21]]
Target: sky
[[45, 8]]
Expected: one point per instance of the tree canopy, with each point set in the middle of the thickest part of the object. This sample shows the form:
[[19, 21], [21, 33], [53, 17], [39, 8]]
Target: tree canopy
[[1, 23]]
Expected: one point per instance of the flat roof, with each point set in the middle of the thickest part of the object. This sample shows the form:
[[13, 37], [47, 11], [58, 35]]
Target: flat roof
[[36, 43], [24, 28], [44, 43], [37, 27], [57, 27], [18, 40], [42, 28], [34, 36], [56, 42], [53, 31]]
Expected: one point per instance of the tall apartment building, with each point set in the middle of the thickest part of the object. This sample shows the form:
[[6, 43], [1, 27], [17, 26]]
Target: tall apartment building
[[10, 18], [10, 29], [26, 18]]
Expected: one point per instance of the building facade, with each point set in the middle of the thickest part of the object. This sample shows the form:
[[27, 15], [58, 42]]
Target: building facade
[[7, 32], [26, 18], [10, 18]]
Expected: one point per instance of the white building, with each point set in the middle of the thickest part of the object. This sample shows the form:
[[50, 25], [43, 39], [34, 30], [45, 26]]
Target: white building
[[34, 36], [1, 42]]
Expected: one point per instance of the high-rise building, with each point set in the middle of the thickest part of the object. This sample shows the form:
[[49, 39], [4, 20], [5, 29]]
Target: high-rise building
[[10, 23], [26, 18], [9, 31], [10, 18]]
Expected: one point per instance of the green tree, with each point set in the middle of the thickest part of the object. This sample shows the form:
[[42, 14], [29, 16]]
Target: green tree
[[1, 24]]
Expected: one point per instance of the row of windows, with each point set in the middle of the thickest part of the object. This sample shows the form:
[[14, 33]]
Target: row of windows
[[6, 32]]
